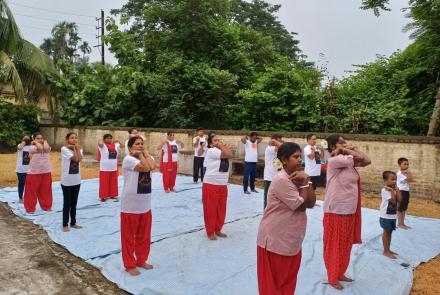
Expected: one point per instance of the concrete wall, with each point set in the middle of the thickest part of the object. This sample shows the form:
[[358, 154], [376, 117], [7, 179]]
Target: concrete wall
[[423, 152]]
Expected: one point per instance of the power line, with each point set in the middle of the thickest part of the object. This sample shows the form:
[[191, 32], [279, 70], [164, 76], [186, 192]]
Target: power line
[[51, 19], [46, 29], [50, 10]]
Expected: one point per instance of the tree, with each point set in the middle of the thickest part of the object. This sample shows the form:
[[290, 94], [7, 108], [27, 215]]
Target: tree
[[425, 28], [260, 16], [65, 43], [21, 63]]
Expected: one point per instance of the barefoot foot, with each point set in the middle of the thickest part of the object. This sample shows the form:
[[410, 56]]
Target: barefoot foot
[[134, 272], [66, 229], [338, 286], [146, 266], [389, 255], [345, 279], [212, 237], [220, 234], [77, 226]]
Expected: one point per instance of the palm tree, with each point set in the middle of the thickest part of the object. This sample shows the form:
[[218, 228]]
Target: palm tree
[[22, 64]]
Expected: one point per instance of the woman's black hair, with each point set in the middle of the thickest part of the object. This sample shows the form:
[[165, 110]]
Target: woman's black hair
[[170, 132], [132, 140], [210, 138], [69, 133], [131, 130], [200, 128], [287, 149], [332, 140], [27, 140], [36, 134], [310, 136], [107, 135]]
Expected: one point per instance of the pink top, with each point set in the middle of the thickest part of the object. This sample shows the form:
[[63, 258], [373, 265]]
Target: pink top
[[341, 192], [283, 227], [40, 161]]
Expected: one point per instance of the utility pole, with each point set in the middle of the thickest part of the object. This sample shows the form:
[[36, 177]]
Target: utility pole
[[100, 29]]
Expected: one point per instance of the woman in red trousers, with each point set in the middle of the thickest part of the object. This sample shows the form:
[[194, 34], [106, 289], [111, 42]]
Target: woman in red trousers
[[342, 208], [136, 215], [108, 167], [39, 177], [169, 157], [283, 225], [215, 189]]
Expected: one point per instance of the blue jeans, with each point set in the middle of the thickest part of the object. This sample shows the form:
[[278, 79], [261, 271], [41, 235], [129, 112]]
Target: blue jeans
[[250, 171]]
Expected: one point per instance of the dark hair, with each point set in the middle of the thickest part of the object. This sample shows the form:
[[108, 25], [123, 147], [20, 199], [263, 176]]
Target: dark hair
[[211, 133], [386, 174], [132, 140], [210, 137], [200, 128], [276, 136], [332, 140], [27, 140], [287, 149], [253, 133], [131, 130], [107, 135], [310, 135], [69, 133], [170, 132], [36, 134], [401, 160]]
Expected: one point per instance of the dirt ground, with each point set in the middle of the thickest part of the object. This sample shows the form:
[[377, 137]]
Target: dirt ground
[[33, 264]]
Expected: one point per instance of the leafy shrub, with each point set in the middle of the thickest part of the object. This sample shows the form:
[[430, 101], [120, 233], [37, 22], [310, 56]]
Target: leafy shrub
[[15, 122]]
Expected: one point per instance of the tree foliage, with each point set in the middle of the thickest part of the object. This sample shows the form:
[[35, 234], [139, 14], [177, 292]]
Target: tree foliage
[[64, 44], [22, 64]]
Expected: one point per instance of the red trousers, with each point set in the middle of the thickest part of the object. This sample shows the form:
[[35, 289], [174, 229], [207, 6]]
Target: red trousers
[[169, 174], [214, 207], [339, 235], [135, 238], [277, 273], [38, 187], [108, 184]]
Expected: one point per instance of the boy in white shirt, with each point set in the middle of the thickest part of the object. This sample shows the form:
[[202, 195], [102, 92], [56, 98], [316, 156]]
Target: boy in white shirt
[[250, 161], [270, 155], [312, 159], [200, 147], [391, 198], [404, 176]]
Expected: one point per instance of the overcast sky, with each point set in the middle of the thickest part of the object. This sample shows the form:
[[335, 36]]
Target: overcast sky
[[338, 29]]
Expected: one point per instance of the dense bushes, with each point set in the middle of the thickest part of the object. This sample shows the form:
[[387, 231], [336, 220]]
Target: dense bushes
[[16, 121]]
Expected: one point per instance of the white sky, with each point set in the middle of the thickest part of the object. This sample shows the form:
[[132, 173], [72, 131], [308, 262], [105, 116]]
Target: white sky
[[338, 29]]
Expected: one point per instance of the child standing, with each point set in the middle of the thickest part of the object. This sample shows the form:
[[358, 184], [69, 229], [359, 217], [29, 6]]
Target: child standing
[[38, 184], [136, 215], [108, 167], [404, 176], [270, 155], [312, 159], [215, 187], [169, 149], [250, 161], [71, 156], [391, 198], [199, 143], [22, 166]]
